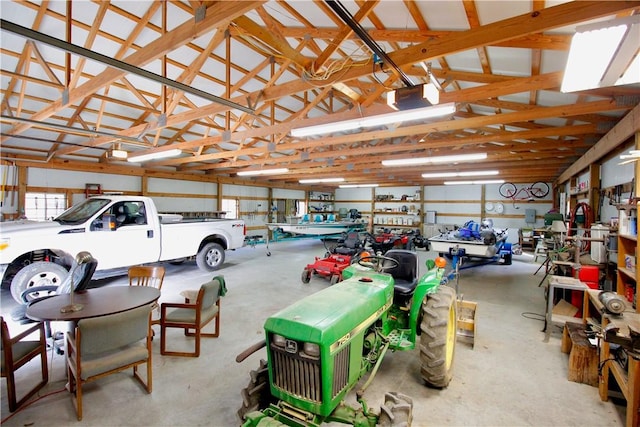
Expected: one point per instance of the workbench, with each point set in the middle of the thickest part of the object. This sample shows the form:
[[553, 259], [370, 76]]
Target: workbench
[[628, 380], [561, 282]]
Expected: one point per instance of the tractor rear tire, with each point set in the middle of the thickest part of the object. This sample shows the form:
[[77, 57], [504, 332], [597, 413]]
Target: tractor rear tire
[[335, 278], [438, 337], [256, 396], [397, 410], [306, 275]]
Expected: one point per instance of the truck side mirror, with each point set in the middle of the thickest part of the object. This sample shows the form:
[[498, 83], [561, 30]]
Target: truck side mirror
[[108, 222]]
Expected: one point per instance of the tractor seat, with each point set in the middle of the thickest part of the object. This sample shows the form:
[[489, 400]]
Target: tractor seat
[[405, 274], [351, 245]]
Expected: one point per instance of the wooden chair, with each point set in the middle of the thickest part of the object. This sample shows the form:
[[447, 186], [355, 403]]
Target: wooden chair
[[148, 275], [105, 345], [193, 315], [15, 353]]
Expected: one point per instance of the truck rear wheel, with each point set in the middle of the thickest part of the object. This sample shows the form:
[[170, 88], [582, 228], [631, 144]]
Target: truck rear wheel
[[397, 410], [256, 396], [39, 273], [438, 337], [210, 257]]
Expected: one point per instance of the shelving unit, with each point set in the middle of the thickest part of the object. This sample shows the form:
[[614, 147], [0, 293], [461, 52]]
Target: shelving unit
[[405, 212], [627, 379], [626, 280]]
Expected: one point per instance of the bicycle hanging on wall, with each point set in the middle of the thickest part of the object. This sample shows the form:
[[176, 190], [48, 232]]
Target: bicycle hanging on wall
[[537, 190]]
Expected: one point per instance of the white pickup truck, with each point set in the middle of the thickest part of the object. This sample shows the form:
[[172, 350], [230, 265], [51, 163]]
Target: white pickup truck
[[119, 231]]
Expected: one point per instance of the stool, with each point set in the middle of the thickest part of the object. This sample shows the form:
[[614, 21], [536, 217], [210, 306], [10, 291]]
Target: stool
[[540, 251], [583, 357]]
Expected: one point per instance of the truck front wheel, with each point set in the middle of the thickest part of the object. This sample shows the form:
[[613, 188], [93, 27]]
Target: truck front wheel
[[39, 273], [210, 257], [438, 338]]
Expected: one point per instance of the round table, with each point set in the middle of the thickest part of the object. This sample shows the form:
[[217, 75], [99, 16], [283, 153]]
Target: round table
[[95, 303]]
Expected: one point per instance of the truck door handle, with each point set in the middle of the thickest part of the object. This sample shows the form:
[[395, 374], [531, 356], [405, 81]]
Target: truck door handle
[[150, 234]]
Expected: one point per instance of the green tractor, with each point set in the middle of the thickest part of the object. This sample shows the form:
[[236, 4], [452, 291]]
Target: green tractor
[[319, 348]]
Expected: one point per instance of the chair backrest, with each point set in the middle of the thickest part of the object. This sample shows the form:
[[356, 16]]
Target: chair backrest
[[146, 275], [209, 294], [5, 338], [317, 218], [331, 218], [407, 268], [108, 333]]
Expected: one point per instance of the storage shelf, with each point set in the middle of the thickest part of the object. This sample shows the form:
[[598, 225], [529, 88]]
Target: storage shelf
[[395, 213], [396, 225], [629, 273]]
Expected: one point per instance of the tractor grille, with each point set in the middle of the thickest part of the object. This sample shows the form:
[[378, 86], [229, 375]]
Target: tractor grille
[[341, 370], [299, 376]]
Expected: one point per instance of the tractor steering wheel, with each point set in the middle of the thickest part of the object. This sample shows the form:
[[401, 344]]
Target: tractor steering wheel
[[377, 263]]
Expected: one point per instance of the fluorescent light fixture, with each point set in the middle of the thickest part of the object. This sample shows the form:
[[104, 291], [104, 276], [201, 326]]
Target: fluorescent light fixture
[[155, 156], [603, 54], [486, 181], [435, 159], [358, 185], [381, 119], [118, 154], [318, 180], [455, 174], [263, 172]]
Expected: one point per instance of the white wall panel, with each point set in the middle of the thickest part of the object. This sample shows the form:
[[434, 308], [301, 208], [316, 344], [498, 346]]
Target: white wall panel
[[72, 179], [185, 204], [285, 193], [162, 185]]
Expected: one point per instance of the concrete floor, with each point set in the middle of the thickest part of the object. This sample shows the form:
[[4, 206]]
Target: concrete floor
[[510, 378]]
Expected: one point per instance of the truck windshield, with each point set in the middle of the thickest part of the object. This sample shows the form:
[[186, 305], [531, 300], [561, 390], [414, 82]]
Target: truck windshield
[[82, 212]]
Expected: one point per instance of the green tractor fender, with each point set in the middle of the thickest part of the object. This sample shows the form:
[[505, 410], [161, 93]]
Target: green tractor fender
[[428, 284]]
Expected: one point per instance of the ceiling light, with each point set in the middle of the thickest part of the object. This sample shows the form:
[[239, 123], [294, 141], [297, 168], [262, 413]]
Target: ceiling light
[[358, 185], [378, 120], [154, 156], [603, 54], [317, 180], [118, 154], [454, 174], [263, 172], [435, 159], [486, 181], [411, 97]]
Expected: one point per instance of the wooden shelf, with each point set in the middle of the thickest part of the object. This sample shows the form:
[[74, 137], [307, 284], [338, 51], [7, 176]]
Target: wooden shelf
[[629, 273], [627, 246], [414, 225], [378, 212]]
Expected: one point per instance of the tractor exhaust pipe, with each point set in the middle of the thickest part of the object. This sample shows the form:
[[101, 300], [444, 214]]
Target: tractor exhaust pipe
[[248, 352]]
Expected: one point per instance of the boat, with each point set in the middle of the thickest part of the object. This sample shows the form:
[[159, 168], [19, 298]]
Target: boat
[[316, 228], [475, 240]]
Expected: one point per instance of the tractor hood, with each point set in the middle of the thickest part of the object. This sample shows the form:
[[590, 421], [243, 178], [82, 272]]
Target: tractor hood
[[329, 315]]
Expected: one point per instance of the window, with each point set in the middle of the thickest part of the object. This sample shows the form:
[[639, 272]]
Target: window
[[302, 208], [44, 206], [230, 206]]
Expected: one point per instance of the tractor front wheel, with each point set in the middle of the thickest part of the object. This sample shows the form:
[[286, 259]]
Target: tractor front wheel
[[397, 410], [335, 278], [256, 396], [438, 338]]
